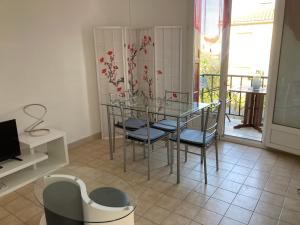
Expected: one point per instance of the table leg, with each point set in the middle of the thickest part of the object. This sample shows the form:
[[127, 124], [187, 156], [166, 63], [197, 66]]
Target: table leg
[[109, 133], [178, 150]]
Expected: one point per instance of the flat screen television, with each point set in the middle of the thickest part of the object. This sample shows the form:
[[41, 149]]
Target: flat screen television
[[9, 140]]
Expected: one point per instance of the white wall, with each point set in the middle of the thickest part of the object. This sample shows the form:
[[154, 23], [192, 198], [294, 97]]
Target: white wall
[[47, 54]]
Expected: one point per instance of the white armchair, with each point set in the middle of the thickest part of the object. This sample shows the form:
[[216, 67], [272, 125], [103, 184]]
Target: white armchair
[[91, 212]]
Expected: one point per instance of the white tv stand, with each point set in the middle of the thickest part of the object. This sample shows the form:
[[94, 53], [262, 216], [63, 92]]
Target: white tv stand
[[40, 156]]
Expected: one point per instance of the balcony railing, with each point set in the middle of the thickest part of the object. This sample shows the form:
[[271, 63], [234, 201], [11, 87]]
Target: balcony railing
[[235, 103]]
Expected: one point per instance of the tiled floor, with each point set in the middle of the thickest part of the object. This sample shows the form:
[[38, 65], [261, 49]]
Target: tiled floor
[[244, 132], [253, 186]]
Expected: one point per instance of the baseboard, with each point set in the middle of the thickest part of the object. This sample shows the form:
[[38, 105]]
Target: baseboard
[[83, 141]]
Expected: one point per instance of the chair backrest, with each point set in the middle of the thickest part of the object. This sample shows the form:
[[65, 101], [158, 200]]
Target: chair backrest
[[207, 87], [211, 121], [177, 96], [114, 111]]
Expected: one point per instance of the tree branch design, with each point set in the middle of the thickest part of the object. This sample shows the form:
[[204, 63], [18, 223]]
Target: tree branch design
[[132, 64], [110, 71]]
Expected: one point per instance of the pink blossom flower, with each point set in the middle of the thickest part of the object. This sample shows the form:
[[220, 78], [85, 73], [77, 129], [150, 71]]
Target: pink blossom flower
[[103, 71], [101, 60], [109, 52]]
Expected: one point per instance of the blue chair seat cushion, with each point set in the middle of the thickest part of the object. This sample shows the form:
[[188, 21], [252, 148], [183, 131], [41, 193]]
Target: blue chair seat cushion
[[167, 125], [132, 124], [109, 196], [193, 137], [142, 134]]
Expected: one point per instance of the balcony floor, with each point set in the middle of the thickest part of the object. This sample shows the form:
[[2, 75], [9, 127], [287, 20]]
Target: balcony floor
[[245, 132]]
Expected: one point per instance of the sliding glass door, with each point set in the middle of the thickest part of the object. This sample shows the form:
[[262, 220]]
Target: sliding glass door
[[283, 127]]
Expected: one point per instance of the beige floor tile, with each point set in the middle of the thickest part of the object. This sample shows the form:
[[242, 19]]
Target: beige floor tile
[[241, 170], [176, 219], [195, 223], [231, 186], [10, 220], [178, 192], [226, 196], [35, 220], [238, 214], [268, 209], [206, 217], [216, 206], [238, 178], [197, 198], [290, 216], [215, 181], [3, 213], [276, 188], [161, 195], [8, 198], [283, 223], [187, 209], [143, 221], [258, 219], [259, 174], [205, 189], [18, 204], [228, 221], [149, 195], [256, 182], [168, 203], [28, 212], [143, 206], [251, 192], [156, 214], [245, 202], [292, 204], [272, 198]]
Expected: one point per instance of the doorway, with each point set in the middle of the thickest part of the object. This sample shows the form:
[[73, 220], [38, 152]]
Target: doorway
[[240, 77], [248, 67]]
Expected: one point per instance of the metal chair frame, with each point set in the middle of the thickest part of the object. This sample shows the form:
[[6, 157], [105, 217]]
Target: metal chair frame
[[148, 142], [208, 131]]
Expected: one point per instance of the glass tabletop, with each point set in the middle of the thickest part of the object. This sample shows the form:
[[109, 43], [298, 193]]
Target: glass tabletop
[[160, 106], [86, 195]]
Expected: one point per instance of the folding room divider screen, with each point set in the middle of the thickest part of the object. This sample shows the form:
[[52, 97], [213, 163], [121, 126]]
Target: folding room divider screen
[[144, 60]]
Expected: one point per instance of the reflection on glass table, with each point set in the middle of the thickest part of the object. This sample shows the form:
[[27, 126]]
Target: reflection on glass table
[[82, 195]]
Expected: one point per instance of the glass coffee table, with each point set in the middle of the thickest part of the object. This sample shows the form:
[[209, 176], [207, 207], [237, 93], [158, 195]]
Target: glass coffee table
[[82, 195]]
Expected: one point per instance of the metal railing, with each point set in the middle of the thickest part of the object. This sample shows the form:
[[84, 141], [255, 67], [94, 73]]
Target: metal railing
[[235, 97]]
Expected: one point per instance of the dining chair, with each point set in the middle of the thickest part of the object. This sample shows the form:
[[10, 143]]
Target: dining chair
[[167, 124], [131, 123], [146, 135], [204, 137]]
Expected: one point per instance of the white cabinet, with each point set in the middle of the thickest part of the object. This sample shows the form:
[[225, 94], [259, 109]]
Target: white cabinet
[[40, 155]]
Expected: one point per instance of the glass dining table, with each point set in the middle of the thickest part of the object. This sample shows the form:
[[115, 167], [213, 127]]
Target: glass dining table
[[160, 107]]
